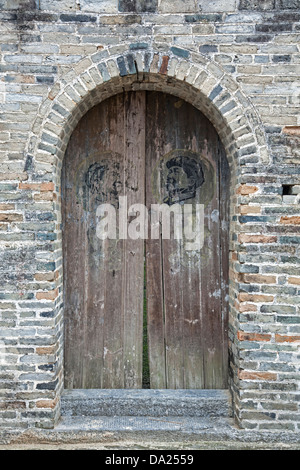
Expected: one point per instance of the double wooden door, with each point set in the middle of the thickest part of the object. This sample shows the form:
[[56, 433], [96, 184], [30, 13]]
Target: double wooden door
[[145, 148]]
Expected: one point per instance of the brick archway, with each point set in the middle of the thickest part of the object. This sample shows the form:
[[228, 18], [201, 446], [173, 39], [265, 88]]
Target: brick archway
[[180, 72], [189, 75]]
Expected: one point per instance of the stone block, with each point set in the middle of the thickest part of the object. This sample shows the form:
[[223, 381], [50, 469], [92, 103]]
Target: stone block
[[98, 6], [177, 6], [77, 18], [138, 6], [57, 5], [257, 5], [218, 5], [99, 403], [180, 52], [288, 4], [18, 4]]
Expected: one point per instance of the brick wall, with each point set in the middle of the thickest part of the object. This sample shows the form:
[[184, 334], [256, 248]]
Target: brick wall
[[239, 63]]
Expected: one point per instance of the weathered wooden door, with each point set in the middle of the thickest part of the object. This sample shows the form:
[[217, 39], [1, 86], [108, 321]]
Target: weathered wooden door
[[154, 149], [187, 289], [103, 280]]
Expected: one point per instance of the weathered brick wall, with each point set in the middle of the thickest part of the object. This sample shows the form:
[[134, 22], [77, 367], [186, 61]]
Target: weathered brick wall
[[236, 60]]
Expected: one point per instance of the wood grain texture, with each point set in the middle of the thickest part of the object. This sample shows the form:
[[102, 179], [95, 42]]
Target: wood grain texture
[[103, 280], [186, 296], [155, 149]]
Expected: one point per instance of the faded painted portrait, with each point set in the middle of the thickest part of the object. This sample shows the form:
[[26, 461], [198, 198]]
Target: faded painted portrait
[[102, 182], [94, 180], [98, 180], [184, 176]]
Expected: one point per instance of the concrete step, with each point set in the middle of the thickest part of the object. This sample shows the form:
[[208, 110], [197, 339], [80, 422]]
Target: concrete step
[[143, 403], [147, 433], [144, 424]]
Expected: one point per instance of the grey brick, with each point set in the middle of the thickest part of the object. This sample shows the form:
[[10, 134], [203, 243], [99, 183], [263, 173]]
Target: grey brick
[[288, 4], [138, 6], [257, 5], [78, 18]]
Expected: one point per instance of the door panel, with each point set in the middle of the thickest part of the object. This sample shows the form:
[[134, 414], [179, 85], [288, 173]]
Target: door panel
[[152, 148], [103, 318], [186, 317]]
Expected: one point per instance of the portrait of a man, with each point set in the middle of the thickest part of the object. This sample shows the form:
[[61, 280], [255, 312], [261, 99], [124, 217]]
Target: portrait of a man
[[184, 176]]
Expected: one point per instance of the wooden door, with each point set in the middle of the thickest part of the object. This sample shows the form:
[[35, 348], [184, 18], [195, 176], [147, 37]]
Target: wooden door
[[187, 289], [103, 279], [155, 149]]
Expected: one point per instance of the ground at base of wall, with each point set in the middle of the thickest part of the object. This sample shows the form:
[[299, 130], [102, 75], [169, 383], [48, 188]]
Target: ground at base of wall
[[88, 434], [152, 445]]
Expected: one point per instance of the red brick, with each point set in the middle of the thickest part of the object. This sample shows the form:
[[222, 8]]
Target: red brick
[[164, 65], [245, 297], [295, 220], [37, 186], [294, 280], [32, 186], [45, 350], [7, 207], [47, 186], [291, 130], [244, 307], [242, 336], [46, 403], [244, 209], [50, 295], [245, 190], [287, 339], [8, 217], [245, 238], [258, 279], [252, 375]]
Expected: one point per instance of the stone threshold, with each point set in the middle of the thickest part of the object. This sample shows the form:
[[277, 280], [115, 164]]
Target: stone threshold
[[140, 433], [146, 402], [147, 419]]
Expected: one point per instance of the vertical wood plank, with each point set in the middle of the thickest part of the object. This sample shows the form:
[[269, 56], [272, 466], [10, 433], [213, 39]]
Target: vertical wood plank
[[154, 267], [211, 288], [181, 273], [133, 290], [114, 276]]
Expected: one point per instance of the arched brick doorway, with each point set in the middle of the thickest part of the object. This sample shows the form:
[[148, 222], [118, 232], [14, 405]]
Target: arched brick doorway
[[193, 78]]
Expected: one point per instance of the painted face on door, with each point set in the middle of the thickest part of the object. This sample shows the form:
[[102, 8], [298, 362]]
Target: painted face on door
[[94, 180], [100, 182], [183, 178]]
